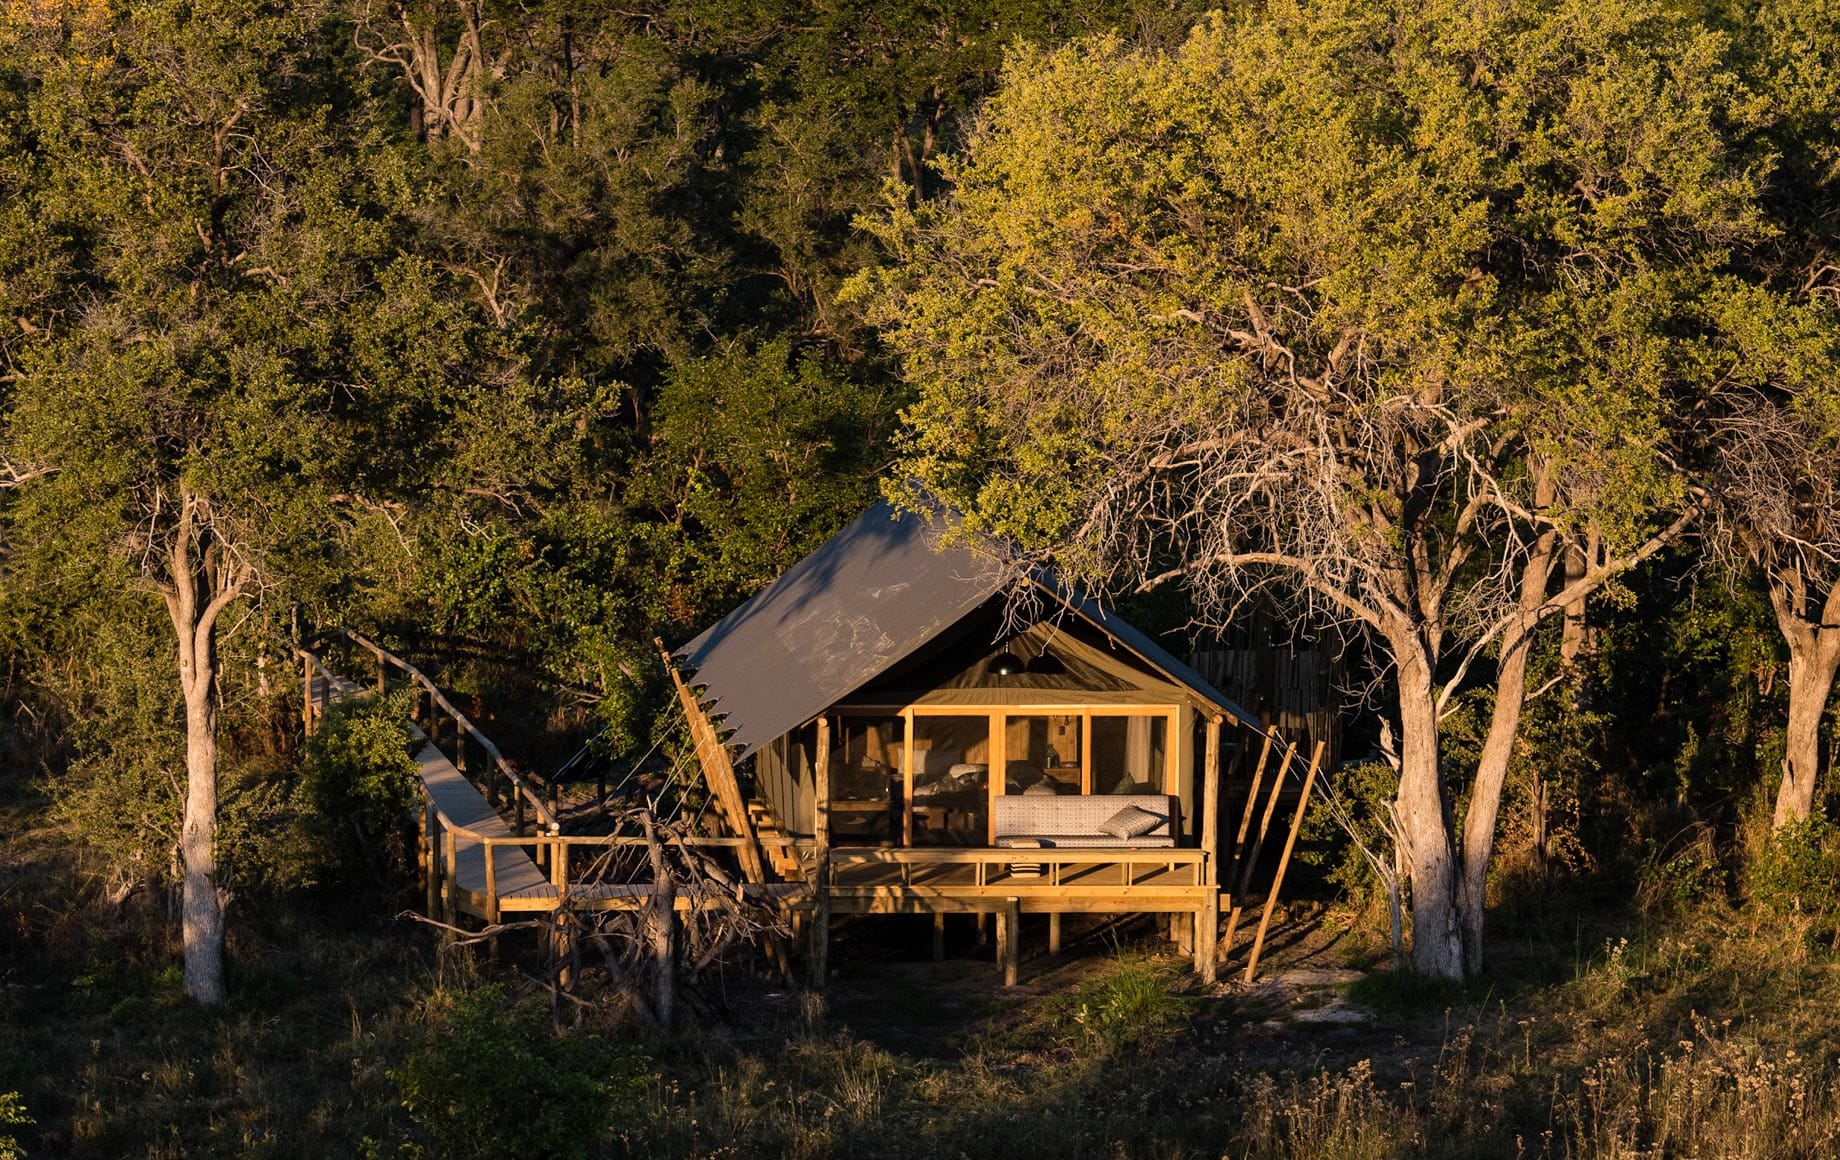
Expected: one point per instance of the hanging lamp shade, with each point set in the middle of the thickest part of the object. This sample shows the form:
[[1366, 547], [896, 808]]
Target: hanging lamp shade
[[1007, 664]]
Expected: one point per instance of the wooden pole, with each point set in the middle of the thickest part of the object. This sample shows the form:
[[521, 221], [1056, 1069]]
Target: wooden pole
[[449, 904], [1245, 817], [491, 853], [1207, 941], [1284, 860], [1271, 807], [1206, 950], [1226, 941], [431, 855], [1054, 933], [1009, 939], [821, 826], [939, 936], [381, 689], [306, 688]]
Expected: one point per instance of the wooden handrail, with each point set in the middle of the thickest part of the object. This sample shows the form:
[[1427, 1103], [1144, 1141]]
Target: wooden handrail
[[972, 855], [619, 841], [440, 700]]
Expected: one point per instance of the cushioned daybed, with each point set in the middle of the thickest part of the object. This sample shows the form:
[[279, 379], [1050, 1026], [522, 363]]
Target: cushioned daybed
[[1078, 822]]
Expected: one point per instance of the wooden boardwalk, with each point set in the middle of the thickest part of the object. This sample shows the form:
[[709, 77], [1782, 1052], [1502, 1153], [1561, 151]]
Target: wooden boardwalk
[[461, 828]]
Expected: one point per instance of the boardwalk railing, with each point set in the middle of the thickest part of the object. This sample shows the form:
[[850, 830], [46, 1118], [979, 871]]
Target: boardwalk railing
[[476, 861], [522, 791]]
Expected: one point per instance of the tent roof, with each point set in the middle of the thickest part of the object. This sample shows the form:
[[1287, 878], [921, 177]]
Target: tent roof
[[866, 599]]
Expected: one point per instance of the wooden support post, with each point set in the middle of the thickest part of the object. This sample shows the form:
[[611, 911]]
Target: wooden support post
[[450, 908], [1210, 802], [1284, 860], [1271, 807], [1054, 933], [1207, 941], [821, 887], [562, 945], [983, 929], [431, 837], [1009, 940], [382, 688], [1226, 942], [306, 690], [1245, 817], [1185, 932], [1207, 949], [491, 853], [939, 936]]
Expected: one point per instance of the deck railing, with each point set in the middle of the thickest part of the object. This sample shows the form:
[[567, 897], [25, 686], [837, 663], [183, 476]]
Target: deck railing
[[550, 849], [1051, 863], [522, 792]]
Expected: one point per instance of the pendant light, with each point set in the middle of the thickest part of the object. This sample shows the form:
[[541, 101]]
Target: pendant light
[[1007, 664]]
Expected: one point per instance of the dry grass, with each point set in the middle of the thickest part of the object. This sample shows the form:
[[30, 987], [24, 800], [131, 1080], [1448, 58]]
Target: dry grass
[[1710, 1034]]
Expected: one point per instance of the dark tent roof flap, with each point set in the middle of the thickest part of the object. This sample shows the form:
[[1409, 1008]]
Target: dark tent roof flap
[[866, 599]]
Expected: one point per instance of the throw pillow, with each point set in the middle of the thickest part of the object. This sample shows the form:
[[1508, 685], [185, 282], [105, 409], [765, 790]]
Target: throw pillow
[[1130, 822]]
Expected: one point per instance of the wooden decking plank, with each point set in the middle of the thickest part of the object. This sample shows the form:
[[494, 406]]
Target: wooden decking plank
[[461, 804]]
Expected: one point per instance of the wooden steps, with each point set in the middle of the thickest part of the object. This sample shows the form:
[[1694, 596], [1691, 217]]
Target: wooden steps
[[775, 841]]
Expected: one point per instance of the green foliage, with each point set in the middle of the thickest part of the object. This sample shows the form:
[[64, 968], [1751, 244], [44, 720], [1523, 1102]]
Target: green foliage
[[1362, 790], [491, 1078], [357, 784], [1796, 870], [1404, 990], [1679, 875], [12, 1115], [1129, 1007]]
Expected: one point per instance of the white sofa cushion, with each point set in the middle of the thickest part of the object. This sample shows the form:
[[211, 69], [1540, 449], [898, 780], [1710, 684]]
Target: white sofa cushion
[[1130, 822], [1075, 821]]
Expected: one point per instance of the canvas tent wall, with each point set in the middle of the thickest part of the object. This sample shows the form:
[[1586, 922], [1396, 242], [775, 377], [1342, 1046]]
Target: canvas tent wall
[[891, 613]]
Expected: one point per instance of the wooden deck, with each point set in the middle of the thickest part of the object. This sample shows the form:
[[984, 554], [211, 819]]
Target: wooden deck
[[480, 865], [492, 846], [904, 881]]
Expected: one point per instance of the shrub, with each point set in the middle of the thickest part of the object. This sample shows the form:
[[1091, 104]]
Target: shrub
[[1796, 869], [12, 1115], [1127, 1007], [357, 783], [1675, 876], [494, 1079]]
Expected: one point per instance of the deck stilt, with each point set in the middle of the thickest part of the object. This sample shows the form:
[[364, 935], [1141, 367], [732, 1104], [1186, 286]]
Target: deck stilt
[[1009, 940], [1054, 933], [1207, 942]]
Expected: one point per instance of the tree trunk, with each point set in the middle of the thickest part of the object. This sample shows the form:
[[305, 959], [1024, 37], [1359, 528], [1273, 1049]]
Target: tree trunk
[[202, 912], [1813, 636], [1437, 939], [1812, 667], [1498, 749], [203, 577], [661, 929]]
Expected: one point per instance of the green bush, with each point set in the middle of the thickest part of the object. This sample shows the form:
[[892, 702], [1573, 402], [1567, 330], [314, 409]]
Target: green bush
[[12, 1115], [493, 1079], [1127, 1007], [1675, 876], [357, 784], [1796, 870]]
